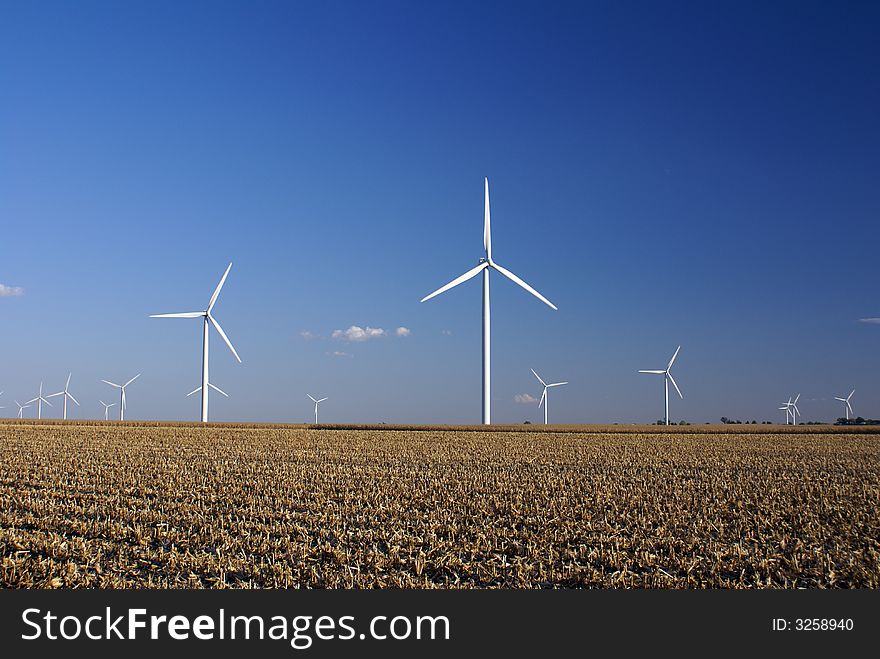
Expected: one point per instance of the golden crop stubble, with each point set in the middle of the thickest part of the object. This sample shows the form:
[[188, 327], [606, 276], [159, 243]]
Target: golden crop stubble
[[140, 505]]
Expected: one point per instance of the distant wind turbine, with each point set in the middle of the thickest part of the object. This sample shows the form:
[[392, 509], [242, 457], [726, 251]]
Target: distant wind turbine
[[121, 388], [847, 407], [667, 378], [545, 400], [107, 407], [21, 409], [486, 264], [208, 319], [787, 408], [66, 393], [320, 400], [199, 388], [2, 407], [795, 412], [39, 400]]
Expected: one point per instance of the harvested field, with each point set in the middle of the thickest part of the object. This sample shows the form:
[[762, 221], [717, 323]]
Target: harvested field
[[145, 505]]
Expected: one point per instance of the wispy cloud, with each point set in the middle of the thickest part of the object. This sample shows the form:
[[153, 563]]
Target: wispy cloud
[[446, 332], [873, 321], [402, 331], [309, 336], [339, 353], [357, 334], [11, 291], [525, 399]]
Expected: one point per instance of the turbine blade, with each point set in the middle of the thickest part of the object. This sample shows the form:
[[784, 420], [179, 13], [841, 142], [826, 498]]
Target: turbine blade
[[67, 386], [321, 400], [188, 314], [217, 389], [487, 231], [101, 401], [199, 388], [538, 376], [672, 380], [223, 335], [653, 372], [45, 401], [310, 396], [219, 286], [112, 384], [516, 280], [851, 394], [669, 365], [60, 393], [543, 396], [557, 384], [796, 409], [796, 398], [132, 380], [849, 407], [842, 400], [458, 280], [72, 398]]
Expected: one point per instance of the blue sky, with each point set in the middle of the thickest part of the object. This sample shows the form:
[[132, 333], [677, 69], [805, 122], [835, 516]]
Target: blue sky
[[703, 174]]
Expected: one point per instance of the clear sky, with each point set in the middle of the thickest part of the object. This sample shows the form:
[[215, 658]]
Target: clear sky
[[704, 174]]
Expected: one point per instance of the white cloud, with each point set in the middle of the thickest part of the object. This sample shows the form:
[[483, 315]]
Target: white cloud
[[874, 321], [355, 333], [525, 399], [402, 331], [308, 336], [446, 332], [11, 291], [339, 353]]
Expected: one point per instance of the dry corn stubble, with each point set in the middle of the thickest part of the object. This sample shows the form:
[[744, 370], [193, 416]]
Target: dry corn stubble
[[108, 506]]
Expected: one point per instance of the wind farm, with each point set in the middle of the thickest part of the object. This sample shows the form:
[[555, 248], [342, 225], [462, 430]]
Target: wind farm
[[658, 193]]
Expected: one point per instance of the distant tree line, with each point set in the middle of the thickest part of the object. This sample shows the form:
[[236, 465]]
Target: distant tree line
[[858, 421]]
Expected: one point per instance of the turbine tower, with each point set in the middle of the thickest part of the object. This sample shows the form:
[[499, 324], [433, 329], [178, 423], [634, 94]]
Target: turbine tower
[[121, 388], [208, 319], [667, 378], [39, 400], [21, 409], [545, 400], [107, 407], [846, 405], [795, 412], [486, 264], [320, 400], [66, 393]]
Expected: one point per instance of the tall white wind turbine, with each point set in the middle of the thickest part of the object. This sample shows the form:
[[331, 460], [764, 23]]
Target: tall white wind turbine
[[320, 400], [121, 388], [486, 264], [787, 408], [21, 409], [545, 400], [847, 407], [107, 407], [66, 393], [208, 320], [667, 378], [795, 412], [39, 400]]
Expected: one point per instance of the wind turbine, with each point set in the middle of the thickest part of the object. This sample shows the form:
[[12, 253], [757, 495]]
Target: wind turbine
[[787, 408], [845, 401], [39, 400], [66, 393], [667, 378], [545, 400], [107, 407], [199, 388], [320, 400], [486, 264], [121, 388], [795, 412], [2, 407], [208, 318], [21, 408]]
